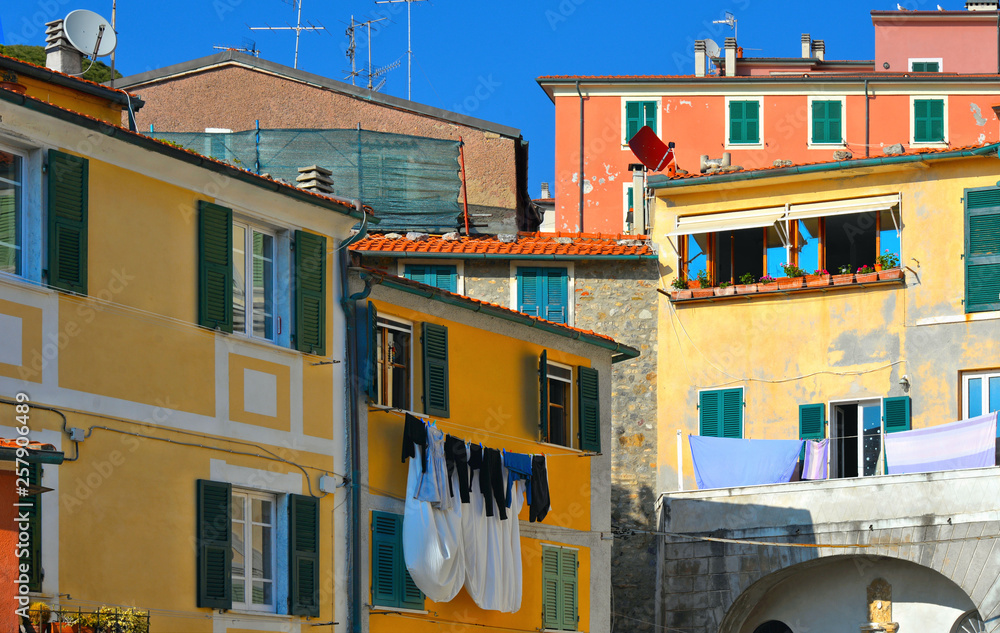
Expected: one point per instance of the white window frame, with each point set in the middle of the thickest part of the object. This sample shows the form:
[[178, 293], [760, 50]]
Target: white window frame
[[248, 496], [280, 317], [830, 425], [570, 283], [31, 232], [939, 60], [400, 325], [624, 116], [227, 157], [459, 265], [626, 187], [571, 423], [843, 122], [18, 183], [913, 120], [760, 123], [985, 375]]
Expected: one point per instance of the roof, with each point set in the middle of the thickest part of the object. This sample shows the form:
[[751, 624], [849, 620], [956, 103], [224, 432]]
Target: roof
[[37, 452], [620, 350], [661, 181], [69, 81], [146, 142], [236, 58], [523, 246]]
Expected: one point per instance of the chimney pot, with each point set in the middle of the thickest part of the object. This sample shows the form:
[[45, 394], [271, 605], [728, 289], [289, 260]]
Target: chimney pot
[[806, 45], [316, 179], [730, 56], [981, 5], [700, 58], [819, 49], [60, 55], [545, 191]]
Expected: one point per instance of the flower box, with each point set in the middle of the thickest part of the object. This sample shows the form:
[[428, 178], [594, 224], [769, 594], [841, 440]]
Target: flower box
[[745, 289], [701, 293], [725, 292], [842, 280], [767, 287], [866, 278], [789, 283], [817, 281], [680, 294], [891, 274]]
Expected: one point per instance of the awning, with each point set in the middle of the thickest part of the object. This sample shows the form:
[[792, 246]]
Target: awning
[[730, 221], [842, 207]]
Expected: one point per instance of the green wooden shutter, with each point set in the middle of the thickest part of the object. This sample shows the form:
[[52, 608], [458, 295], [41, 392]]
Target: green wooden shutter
[[410, 595], [310, 293], [812, 424], [590, 409], [633, 119], [446, 278], [720, 413], [417, 273], [568, 589], [928, 120], [732, 413], [385, 590], [67, 222], [982, 250], [528, 291], [303, 555], [436, 389], [34, 513], [550, 588], [215, 266], [371, 360], [744, 122], [896, 414], [543, 395], [736, 131], [555, 294], [649, 114], [709, 412], [826, 123], [752, 122], [926, 67], [215, 545], [9, 239]]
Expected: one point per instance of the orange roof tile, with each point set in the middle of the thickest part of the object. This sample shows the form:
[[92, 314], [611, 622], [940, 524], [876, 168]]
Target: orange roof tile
[[581, 245], [70, 77]]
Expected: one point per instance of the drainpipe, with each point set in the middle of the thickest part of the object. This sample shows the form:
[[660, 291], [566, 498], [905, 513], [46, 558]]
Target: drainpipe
[[581, 156], [867, 122]]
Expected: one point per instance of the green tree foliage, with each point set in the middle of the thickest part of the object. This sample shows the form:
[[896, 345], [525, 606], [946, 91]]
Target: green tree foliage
[[99, 72]]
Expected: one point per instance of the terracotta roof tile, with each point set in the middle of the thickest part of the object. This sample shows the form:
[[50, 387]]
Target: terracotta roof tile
[[815, 75], [71, 77], [541, 244]]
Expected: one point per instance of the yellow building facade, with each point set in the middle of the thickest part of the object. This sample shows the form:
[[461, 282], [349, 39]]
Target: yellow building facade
[[850, 357], [174, 326]]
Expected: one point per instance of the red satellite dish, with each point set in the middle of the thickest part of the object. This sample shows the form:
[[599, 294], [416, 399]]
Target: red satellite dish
[[651, 151]]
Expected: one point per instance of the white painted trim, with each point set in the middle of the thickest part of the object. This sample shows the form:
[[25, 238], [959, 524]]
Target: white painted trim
[[861, 403], [259, 479], [966, 376], [626, 187], [571, 422], [959, 318], [940, 145], [793, 87], [33, 194], [570, 283], [760, 123], [659, 116], [267, 622], [414, 340], [939, 60], [843, 122], [459, 265]]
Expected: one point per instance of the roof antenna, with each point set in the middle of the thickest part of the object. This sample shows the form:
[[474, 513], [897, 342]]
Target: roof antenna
[[249, 47], [730, 19], [298, 28], [409, 48]]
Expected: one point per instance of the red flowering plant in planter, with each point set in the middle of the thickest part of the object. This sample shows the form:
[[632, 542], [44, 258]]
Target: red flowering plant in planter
[[888, 266], [681, 290], [767, 283], [844, 277], [819, 278], [704, 288], [866, 274]]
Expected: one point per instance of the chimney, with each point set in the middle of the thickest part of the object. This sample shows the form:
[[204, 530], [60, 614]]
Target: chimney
[[60, 55], [730, 57], [700, 58], [981, 5], [819, 49], [638, 198], [316, 179], [545, 191], [806, 45]]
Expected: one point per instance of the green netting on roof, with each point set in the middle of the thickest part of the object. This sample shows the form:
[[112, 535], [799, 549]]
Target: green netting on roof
[[411, 182]]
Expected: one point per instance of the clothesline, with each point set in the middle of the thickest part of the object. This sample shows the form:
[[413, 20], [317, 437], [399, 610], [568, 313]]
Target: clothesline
[[427, 420]]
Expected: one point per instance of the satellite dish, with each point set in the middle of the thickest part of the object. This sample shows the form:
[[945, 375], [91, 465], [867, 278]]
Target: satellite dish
[[89, 33], [712, 48]]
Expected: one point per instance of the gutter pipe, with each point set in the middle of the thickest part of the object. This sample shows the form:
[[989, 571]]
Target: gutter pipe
[[666, 183], [580, 221]]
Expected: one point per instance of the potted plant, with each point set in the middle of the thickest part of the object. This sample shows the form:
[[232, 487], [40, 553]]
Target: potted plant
[[112, 620], [844, 276], [681, 290], [819, 278], [888, 266], [866, 274], [704, 288], [747, 284], [794, 277], [767, 283], [39, 613], [725, 289]]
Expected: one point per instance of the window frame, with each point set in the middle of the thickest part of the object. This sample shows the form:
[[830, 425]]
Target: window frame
[[19, 210], [965, 377], [811, 142], [570, 284], [627, 192], [33, 253], [658, 119], [249, 226], [943, 143], [249, 494], [572, 425], [924, 60], [743, 396], [399, 325], [759, 144], [459, 265]]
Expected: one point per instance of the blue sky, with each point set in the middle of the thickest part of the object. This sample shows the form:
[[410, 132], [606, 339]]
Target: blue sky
[[478, 58]]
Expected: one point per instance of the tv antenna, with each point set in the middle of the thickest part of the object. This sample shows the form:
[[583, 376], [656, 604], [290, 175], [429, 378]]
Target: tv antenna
[[371, 73], [730, 19], [298, 28], [409, 47], [249, 47], [90, 34]]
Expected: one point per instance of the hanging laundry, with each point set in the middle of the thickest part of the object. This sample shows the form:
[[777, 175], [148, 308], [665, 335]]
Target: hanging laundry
[[538, 504], [491, 482], [722, 462], [457, 459], [433, 484], [503, 587], [474, 531], [966, 444], [433, 548], [814, 466], [518, 467], [414, 434]]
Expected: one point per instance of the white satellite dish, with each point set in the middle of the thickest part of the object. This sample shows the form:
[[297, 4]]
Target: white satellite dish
[[712, 48], [89, 33]]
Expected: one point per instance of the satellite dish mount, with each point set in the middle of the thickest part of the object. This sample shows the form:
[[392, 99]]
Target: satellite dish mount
[[90, 34]]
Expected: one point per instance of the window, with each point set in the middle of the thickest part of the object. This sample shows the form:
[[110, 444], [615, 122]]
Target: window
[[827, 121], [561, 421], [68, 177], [392, 585], [559, 588], [982, 249], [637, 115], [928, 123], [393, 363], [543, 292], [443, 277], [253, 281], [743, 119], [856, 430], [11, 210], [980, 393], [720, 413], [253, 550], [237, 537], [925, 65]]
